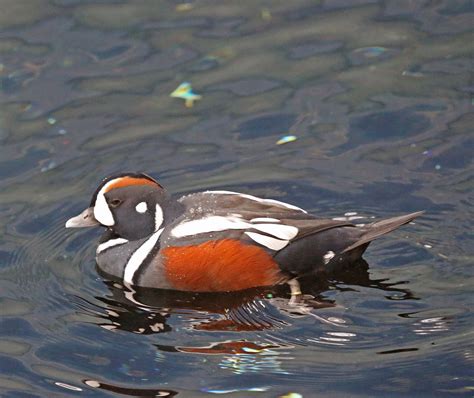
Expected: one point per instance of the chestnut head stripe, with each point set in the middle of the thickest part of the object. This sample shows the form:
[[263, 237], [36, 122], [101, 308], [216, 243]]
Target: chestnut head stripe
[[128, 181]]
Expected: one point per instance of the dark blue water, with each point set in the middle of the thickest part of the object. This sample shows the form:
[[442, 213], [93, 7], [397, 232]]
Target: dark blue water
[[379, 97]]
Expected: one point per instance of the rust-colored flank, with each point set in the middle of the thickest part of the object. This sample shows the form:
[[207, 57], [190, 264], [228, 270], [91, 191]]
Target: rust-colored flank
[[220, 265]]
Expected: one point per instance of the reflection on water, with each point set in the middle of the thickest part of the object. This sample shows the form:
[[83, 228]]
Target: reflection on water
[[431, 326], [379, 97], [148, 311], [133, 392]]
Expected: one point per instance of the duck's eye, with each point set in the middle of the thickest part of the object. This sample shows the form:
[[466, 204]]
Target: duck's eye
[[115, 202]]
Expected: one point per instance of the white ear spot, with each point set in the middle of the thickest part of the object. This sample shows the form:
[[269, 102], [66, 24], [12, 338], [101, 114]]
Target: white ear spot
[[141, 207], [158, 217]]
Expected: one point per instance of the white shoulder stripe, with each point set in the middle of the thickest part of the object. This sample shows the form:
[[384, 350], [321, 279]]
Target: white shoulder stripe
[[264, 201], [267, 241], [282, 204], [139, 256], [110, 243]]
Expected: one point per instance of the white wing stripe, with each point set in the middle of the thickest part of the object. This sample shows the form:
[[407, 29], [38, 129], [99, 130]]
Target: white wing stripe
[[278, 230], [219, 223], [208, 224], [267, 241], [139, 256], [265, 219]]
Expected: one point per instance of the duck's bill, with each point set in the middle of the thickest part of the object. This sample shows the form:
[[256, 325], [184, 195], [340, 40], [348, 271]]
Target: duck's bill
[[85, 219]]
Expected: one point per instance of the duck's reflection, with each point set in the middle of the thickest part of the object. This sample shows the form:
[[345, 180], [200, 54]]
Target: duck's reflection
[[132, 392], [147, 311]]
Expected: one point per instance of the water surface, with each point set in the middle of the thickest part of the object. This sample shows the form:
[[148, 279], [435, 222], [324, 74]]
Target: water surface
[[379, 96]]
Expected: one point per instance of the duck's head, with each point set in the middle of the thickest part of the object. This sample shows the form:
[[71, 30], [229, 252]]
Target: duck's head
[[130, 205]]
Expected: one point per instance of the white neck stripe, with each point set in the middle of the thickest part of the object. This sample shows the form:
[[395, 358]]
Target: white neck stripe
[[137, 258], [110, 243]]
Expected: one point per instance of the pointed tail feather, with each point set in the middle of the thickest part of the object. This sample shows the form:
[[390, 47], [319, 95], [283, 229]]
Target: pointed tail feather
[[379, 228]]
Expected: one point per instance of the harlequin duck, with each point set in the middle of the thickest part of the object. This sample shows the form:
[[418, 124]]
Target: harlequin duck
[[215, 241]]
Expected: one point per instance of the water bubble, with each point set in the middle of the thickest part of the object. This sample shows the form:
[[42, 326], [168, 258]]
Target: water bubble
[[371, 51], [336, 320], [67, 386], [287, 138], [51, 165]]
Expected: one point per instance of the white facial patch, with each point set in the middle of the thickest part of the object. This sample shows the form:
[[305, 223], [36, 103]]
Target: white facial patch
[[141, 207], [260, 200], [110, 243], [139, 256], [102, 211], [158, 217]]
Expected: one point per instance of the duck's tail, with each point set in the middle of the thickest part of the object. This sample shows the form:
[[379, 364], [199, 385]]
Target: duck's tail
[[379, 228]]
